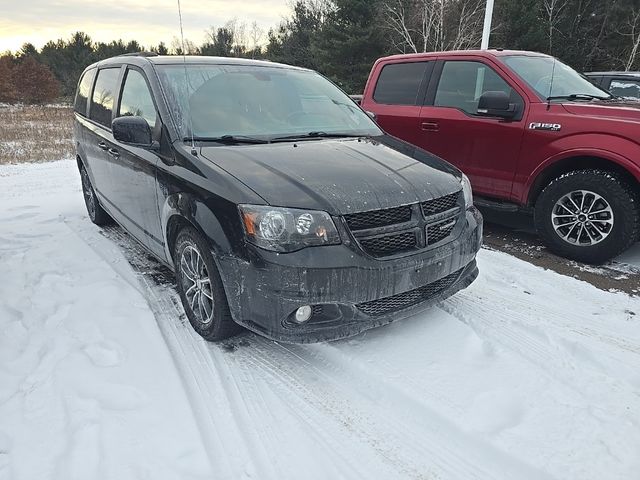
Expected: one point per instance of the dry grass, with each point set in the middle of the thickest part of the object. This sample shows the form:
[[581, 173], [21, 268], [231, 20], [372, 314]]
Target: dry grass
[[35, 133]]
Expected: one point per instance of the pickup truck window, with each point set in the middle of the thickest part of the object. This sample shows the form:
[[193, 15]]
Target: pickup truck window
[[399, 83], [463, 82], [136, 98], [84, 88], [265, 102], [104, 95], [551, 78], [625, 88]]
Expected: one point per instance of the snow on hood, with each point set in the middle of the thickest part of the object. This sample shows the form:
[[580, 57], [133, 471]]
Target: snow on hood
[[339, 176]]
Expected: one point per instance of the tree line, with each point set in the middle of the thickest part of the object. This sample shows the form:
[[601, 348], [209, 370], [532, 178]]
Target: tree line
[[342, 39]]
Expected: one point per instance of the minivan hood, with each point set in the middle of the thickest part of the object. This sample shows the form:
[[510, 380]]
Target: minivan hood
[[339, 176]]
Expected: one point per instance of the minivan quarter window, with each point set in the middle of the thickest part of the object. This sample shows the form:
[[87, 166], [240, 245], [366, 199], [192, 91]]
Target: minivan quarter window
[[136, 98], [399, 83], [84, 88], [103, 97], [462, 83]]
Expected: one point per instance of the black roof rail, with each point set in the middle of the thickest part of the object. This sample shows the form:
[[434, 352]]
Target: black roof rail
[[139, 54]]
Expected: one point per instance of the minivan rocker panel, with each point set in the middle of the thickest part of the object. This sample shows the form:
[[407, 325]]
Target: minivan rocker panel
[[369, 229]]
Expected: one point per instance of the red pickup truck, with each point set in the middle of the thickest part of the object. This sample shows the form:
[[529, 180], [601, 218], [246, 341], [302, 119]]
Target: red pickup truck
[[530, 132]]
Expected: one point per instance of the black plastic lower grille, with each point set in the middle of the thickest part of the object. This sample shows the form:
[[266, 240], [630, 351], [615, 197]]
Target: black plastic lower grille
[[389, 244], [375, 308]]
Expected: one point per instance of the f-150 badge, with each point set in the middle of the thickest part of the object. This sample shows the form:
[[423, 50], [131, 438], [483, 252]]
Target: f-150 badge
[[553, 127]]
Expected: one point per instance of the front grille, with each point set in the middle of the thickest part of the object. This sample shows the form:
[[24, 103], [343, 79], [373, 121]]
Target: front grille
[[389, 244], [439, 231], [439, 205], [392, 231], [378, 218], [382, 306]]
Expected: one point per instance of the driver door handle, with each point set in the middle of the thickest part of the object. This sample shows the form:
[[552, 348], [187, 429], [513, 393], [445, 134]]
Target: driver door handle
[[113, 152], [103, 146], [430, 126]]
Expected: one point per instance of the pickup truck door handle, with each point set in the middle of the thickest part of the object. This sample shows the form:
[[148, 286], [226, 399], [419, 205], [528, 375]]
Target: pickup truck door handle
[[103, 146], [430, 126], [113, 152]]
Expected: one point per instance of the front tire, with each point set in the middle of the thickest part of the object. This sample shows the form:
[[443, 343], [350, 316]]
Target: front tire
[[588, 215], [200, 287], [96, 213]]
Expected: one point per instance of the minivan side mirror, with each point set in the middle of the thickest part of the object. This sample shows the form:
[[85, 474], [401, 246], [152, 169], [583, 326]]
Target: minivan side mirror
[[496, 104], [132, 130]]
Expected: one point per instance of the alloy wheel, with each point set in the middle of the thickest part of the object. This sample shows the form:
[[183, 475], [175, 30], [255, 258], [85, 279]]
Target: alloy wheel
[[582, 218], [196, 284], [89, 198]]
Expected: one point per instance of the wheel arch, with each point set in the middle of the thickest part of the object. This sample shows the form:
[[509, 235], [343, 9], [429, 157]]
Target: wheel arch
[[576, 162], [182, 210]]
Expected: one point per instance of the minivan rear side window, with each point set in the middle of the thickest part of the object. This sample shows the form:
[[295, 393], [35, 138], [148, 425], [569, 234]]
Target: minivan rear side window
[[104, 95], [399, 83], [84, 88]]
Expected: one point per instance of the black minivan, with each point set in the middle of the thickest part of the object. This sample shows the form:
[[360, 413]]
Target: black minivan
[[277, 201]]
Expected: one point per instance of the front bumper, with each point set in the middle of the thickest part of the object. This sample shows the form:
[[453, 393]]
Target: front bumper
[[346, 286]]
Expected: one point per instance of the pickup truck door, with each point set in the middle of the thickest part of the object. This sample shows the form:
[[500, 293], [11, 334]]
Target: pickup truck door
[[397, 97], [486, 149]]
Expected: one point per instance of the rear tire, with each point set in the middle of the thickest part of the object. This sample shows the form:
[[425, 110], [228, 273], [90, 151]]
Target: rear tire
[[200, 287], [588, 215], [96, 213]]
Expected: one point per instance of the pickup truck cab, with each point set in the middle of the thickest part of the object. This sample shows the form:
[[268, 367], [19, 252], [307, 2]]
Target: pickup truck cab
[[530, 132]]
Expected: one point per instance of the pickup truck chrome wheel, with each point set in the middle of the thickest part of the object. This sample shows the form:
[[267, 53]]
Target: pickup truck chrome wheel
[[197, 284], [589, 215], [582, 217]]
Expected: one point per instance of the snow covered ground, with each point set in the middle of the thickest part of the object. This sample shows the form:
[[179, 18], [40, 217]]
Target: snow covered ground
[[525, 375]]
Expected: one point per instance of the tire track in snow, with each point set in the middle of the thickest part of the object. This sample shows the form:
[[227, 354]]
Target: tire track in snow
[[403, 430], [216, 386]]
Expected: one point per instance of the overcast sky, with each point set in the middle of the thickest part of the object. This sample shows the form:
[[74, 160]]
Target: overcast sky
[[149, 22]]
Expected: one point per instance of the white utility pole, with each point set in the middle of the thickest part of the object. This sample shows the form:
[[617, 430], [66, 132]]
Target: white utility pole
[[486, 30]]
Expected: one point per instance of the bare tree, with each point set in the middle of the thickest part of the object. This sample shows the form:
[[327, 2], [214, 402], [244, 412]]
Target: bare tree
[[433, 25], [634, 34], [553, 10]]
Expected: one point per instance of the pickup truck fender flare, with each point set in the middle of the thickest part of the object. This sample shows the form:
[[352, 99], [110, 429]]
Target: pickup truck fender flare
[[185, 208], [564, 161]]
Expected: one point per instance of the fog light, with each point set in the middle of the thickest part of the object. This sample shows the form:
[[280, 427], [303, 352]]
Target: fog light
[[303, 314]]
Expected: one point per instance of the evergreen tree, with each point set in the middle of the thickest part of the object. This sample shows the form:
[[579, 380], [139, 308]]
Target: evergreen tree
[[349, 42]]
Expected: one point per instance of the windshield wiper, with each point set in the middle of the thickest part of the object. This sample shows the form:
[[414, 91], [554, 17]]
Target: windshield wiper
[[230, 139], [310, 135], [577, 96]]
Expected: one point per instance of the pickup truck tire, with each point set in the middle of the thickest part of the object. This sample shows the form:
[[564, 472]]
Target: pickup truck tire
[[96, 213], [588, 215], [200, 287]]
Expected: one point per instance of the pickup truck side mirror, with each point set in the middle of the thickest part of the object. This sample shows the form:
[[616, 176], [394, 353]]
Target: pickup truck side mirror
[[132, 130], [496, 104]]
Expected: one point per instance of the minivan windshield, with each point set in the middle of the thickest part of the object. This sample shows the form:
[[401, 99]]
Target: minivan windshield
[[538, 72], [259, 102]]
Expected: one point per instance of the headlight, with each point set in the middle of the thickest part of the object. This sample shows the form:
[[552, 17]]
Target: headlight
[[287, 229], [466, 189]]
